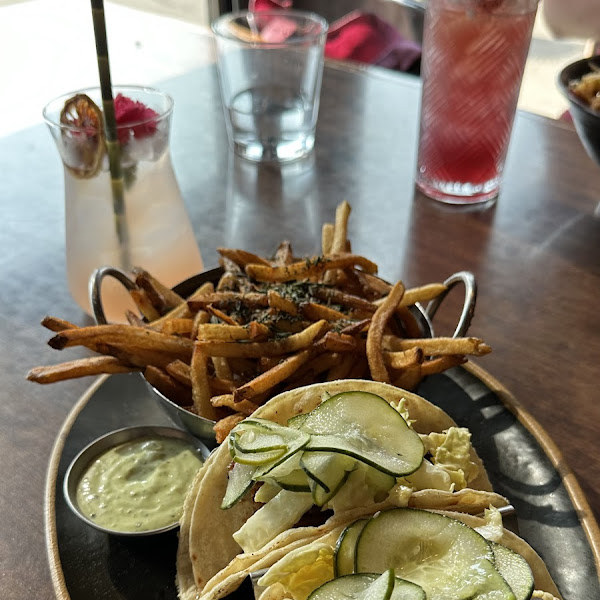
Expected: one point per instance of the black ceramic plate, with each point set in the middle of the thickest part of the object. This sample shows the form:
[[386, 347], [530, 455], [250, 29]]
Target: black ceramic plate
[[522, 464]]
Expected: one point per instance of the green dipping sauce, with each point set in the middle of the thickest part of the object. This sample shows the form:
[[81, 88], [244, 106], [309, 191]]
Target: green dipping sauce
[[139, 485]]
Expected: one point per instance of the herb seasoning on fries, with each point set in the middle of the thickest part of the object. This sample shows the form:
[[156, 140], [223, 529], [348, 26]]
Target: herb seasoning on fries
[[269, 325]]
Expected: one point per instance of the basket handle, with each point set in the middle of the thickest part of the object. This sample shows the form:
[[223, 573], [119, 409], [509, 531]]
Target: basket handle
[[468, 280], [95, 289]]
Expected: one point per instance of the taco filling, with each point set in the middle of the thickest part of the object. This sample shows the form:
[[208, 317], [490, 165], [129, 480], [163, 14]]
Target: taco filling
[[296, 487], [353, 450], [412, 554]]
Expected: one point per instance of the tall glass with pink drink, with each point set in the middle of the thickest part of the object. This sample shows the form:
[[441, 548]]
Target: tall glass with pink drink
[[474, 54]]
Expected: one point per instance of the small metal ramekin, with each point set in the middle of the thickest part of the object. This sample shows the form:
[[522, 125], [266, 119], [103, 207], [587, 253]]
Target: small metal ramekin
[[110, 440]]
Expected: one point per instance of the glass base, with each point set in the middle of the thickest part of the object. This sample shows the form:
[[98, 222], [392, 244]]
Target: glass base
[[274, 150], [460, 193]]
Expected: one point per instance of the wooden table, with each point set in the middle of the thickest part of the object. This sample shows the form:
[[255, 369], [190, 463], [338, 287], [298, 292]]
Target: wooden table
[[535, 253]]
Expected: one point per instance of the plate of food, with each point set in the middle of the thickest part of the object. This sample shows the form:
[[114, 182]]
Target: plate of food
[[331, 406]]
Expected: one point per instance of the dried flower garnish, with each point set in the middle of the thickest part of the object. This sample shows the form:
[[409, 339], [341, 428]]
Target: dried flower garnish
[[83, 131], [131, 112]]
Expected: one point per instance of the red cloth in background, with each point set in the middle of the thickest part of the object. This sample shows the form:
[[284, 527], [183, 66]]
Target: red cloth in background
[[364, 37], [358, 36], [256, 5]]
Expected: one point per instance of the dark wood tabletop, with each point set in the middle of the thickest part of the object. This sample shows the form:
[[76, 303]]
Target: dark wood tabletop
[[535, 254]]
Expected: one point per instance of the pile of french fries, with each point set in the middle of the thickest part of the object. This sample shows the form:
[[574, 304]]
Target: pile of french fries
[[267, 326]]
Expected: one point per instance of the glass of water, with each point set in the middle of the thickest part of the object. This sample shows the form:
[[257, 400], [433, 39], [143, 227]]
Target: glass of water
[[270, 68]]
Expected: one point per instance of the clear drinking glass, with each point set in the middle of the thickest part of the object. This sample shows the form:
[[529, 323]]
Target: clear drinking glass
[[151, 229], [474, 54], [270, 68]]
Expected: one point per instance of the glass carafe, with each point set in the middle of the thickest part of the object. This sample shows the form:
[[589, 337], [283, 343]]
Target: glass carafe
[[150, 227]]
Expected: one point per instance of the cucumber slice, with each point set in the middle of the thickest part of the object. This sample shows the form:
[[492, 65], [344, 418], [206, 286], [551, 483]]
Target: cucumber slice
[[345, 549], [257, 458], [297, 441], [327, 473], [297, 421], [239, 482], [366, 427], [296, 481], [515, 570], [326, 468], [264, 444], [249, 441], [288, 475], [368, 586], [322, 497], [448, 559]]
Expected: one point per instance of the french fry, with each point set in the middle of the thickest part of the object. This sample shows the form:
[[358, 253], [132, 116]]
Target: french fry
[[338, 342], [292, 343], [226, 400], [125, 335], [232, 333], [258, 331], [339, 243], [219, 314], [379, 321], [423, 293], [222, 386], [326, 238], [201, 393], [342, 368], [309, 268], [316, 366], [135, 319], [94, 365], [272, 377], [438, 346], [340, 229], [229, 282], [160, 295], [314, 312], [135, 356], [229, 300], [168, 386], [224, 426], [144, 304], [181, 311], [55, 324], [180, 371], [242, 258], [371, 284], [440, 364], [200, 318], [404, 359], [348, 300], [284, 254], [408, 378], [178, 327], [281, 304], [355, 328], [221, 367]]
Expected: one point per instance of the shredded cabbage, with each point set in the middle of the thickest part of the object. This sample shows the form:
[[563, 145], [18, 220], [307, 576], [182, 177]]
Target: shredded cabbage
[[400, 406], [451, 450], [302, 570], [493, 529]]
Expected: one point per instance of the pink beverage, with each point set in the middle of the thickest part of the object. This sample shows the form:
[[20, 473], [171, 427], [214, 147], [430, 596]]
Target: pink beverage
[[474, 54]]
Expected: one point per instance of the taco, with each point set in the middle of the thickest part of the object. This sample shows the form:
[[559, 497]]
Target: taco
[[414, 554], [311, 461]]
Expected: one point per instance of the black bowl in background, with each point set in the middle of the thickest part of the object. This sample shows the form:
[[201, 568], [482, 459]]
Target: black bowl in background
[[586, 120]]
